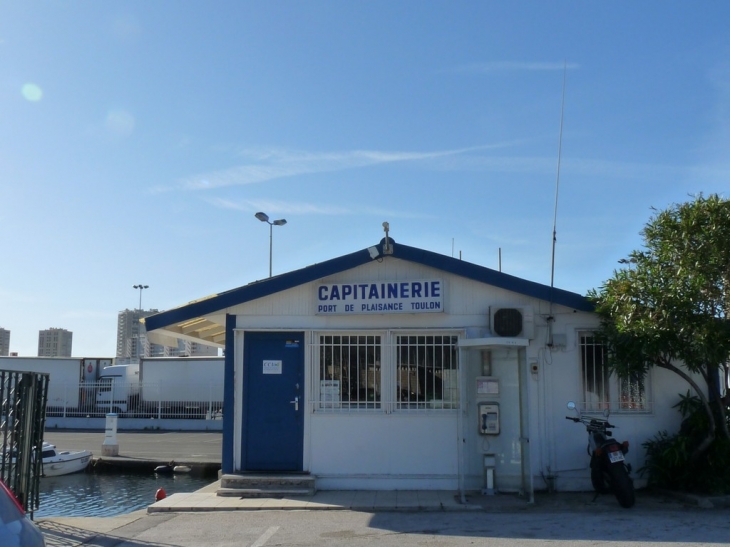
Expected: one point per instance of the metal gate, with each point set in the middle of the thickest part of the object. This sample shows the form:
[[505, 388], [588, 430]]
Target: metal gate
[[22, 422]]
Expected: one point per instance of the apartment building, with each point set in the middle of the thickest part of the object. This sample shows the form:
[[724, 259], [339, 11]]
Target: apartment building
[[54, 343]]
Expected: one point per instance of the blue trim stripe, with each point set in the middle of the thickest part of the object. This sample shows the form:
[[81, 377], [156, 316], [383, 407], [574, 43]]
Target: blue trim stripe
[[228, 397], [334, 266]]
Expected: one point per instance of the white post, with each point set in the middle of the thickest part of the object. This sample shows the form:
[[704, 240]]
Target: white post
[[110, 446], [460, 419]]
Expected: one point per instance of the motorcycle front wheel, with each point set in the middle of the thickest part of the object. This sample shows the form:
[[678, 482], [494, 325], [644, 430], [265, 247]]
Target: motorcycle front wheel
[[622, 485]]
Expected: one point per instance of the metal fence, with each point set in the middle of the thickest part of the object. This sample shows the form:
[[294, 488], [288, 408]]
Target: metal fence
[[22, 422], [169, 400]]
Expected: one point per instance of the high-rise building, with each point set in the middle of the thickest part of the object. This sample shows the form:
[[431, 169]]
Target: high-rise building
[[4, 342], [132, 342], [194, 349], [55, 343]]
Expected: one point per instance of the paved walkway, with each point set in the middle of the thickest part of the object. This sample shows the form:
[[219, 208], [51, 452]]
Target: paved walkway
[[206, 499], [353, 500]]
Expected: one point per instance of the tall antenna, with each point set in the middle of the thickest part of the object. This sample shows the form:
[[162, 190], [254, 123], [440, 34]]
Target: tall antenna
[[557, 182], [555, 214]]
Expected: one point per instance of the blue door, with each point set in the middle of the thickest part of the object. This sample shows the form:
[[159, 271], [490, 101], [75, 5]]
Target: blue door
[[273, 401]]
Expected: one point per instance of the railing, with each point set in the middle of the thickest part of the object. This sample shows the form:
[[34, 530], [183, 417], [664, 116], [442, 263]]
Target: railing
[[173, 400], [22, 421]]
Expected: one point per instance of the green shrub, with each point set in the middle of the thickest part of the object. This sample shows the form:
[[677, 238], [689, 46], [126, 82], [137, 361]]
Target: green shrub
[[668, 462]]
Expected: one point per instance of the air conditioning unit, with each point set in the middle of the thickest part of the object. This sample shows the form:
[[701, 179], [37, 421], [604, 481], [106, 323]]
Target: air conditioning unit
[[513, 322]]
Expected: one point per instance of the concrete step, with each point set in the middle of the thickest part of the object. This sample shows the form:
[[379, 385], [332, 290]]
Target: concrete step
[[257, 485], [264, 493]]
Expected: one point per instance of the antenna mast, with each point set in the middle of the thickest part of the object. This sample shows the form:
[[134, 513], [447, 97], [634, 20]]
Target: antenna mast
[[557, 182], [550, 318]]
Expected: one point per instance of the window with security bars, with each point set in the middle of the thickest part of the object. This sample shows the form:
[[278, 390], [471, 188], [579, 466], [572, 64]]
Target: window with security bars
[[350, 371], [633, 393], [594, 372], [598, 383], [426, 372]]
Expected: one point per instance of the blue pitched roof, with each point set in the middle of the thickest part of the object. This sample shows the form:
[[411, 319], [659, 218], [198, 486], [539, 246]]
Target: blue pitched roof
[[295, 278]]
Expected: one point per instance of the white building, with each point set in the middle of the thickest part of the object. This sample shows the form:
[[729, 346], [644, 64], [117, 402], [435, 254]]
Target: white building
[[55, 343], [398, 368]]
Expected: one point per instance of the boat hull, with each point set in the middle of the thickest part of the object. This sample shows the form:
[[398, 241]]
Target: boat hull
[[65, 463]]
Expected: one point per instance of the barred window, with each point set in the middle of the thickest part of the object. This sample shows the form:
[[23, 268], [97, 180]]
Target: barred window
[[633, 393], [388, 371], [350, 372], [598, 384], [426, 372], [594, 373]]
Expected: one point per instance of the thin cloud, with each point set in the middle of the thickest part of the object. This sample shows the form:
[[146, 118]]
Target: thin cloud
[[281, 208], [590, 167], [278, 207], [514, 66], [270, 164]]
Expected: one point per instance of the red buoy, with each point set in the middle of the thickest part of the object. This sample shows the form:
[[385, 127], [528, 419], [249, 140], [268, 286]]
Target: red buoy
[[160, 494]]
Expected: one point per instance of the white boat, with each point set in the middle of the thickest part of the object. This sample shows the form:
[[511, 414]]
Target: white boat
[[56, 462]]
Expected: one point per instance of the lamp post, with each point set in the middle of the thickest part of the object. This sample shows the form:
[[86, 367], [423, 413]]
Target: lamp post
[[263, 217], [140, 287]]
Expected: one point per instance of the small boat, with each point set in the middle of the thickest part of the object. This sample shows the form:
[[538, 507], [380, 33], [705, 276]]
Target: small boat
[[172, 468], [57, 462], [163, 469]]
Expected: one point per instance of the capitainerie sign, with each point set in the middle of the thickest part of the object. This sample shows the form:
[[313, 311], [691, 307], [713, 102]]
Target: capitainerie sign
[[422, 296]]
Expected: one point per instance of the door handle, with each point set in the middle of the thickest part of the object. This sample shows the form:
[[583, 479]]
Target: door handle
[[295, 402]]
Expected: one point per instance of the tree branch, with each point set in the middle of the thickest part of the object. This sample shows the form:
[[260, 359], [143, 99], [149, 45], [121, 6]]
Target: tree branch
[[710, 434]]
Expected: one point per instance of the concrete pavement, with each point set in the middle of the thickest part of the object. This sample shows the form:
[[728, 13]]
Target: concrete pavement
[[225, 517], [153, 446], [142, 451], [351, 500], [186, 509]]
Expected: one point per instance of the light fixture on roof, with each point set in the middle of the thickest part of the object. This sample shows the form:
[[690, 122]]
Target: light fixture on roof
[[387, 249], [263, 217]]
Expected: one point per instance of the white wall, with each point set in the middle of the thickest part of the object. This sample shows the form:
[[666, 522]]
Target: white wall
[[377, 450], [559, 457], [384, 451]]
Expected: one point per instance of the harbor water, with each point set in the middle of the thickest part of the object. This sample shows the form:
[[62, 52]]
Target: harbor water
[[107, 494]]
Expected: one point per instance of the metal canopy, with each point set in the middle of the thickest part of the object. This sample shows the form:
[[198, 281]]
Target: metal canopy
[[492, 342]]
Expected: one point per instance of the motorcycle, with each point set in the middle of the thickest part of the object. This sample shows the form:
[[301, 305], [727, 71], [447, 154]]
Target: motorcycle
[[609, 470]]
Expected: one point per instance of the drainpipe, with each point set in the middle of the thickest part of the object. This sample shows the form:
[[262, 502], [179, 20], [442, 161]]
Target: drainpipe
[[527, 435], [460, 424]]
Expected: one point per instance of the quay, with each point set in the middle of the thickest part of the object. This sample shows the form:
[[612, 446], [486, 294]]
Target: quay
[[142, 451]]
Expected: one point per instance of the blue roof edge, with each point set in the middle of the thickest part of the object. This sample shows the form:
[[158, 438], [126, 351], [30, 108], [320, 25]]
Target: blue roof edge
[[272, 285]]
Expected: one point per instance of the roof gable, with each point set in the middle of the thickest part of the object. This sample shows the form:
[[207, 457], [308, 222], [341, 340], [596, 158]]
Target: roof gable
[[272, 285]]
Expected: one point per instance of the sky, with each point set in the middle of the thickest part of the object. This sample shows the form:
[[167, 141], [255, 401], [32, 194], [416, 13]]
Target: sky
[[139, 138]]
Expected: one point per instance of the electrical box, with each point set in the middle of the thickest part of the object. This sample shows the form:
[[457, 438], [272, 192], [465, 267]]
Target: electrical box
[[489, 418], [487, 386]]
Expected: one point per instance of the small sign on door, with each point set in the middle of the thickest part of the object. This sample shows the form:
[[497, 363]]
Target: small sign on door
[[272, 367]]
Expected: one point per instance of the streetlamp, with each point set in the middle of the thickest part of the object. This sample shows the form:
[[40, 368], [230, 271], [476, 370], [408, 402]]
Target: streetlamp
[[263, 217], [140, 287]]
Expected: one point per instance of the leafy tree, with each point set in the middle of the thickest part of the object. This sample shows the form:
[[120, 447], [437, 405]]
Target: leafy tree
[[669, 306]]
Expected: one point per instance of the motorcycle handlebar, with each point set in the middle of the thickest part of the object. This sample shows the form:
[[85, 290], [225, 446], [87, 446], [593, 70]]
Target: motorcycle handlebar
[[591, 422]]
